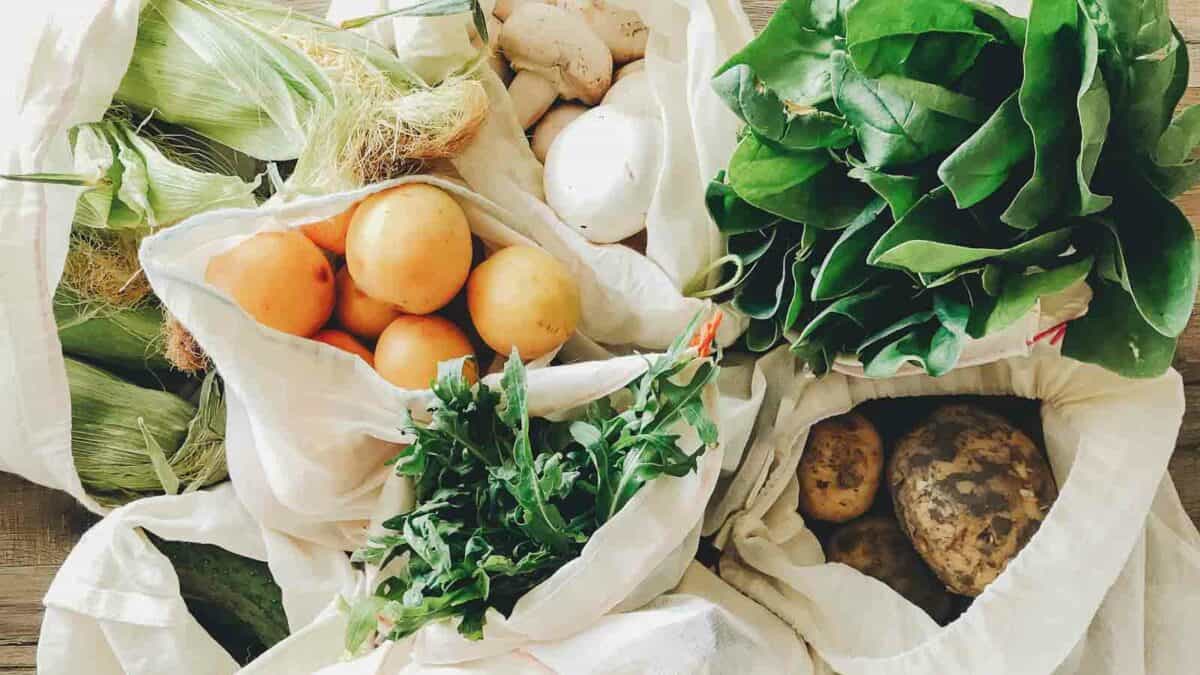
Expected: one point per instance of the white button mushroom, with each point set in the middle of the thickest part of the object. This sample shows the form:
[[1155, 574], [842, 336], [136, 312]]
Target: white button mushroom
[[621, 29], [602, 172], [551, 125], [628, 69], [555, 54], [633, 93]]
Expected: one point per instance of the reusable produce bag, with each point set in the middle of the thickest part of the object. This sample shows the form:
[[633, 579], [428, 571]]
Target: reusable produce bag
[[1110, 583], [629, 299]]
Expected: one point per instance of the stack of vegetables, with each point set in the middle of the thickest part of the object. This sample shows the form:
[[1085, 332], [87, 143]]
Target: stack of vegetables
[[913, 175], [218, 94]]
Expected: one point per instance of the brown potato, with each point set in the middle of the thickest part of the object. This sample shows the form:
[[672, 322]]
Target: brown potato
[[841, 468], [875, 546], [970, 490]]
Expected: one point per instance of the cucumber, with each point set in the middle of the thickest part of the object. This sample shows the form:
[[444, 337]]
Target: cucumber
[[234, 598]]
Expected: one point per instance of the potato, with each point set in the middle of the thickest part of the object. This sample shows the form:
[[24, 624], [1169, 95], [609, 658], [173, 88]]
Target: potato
[[410, 247], [875, 546], [359, 313], [280, 278], [522, 297], [409, 351], [330, 234], [970, 489], [841, 468], [345, 342]]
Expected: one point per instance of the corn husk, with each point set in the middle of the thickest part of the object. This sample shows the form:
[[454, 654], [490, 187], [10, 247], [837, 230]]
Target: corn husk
[[129, 441], [279, 85], [141, 182], [121, 337]]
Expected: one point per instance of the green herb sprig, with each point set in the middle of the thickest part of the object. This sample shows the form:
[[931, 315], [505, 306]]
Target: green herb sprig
[[916, 174], [503, 500]]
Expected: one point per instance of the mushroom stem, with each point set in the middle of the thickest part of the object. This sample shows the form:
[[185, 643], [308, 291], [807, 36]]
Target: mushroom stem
[[532, 95]]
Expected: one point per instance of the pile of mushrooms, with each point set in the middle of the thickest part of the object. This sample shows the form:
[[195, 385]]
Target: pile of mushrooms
[[577, 79]]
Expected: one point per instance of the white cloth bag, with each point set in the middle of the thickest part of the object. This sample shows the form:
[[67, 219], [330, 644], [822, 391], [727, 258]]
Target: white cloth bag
[[1106, 585], [630, 299]]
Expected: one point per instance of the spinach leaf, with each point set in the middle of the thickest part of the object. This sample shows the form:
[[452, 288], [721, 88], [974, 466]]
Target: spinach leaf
[[989, 158], [1068, 131], [791, 55], [1114, 335], [930, 40], [731, 213], [934, 346], [845, 268], [803, 186], [1160, 266], [1019, 293], [760, 108], [892, 130]]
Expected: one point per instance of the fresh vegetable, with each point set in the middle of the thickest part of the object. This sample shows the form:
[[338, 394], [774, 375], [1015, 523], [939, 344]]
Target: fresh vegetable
[[504, 500], [550, 126], [914, 175], [128, 441], [621, 30], [969, 490], [601, 173], [359, 313], [875, 546], [330, 234], [523, 299], [235, 598], [345, 342], [277, 84], [409, 351], [410, 246], [841, 468], [280, 278], [554, 53]]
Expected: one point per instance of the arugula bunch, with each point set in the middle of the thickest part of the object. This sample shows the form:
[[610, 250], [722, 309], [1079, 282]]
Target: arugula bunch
[[914, 174], [503, 500]]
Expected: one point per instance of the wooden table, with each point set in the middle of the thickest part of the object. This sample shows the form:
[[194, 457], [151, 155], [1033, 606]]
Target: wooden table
[[38, 527]]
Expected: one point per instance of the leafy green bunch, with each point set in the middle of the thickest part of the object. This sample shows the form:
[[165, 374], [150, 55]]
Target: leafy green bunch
[[503, 500], [915, 174]]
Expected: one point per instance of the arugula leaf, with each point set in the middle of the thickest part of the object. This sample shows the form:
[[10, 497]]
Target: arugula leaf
[[504, 500]]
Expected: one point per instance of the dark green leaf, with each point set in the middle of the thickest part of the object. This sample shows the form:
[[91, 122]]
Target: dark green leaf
[[791, 55], [902, 192], [845, 268], [1019, 293], [731, 213], [1179, 142], [986, 160], [800, 186], [1114, 335], [771, 119], [1159, 263], [932, 40], [892, 129]]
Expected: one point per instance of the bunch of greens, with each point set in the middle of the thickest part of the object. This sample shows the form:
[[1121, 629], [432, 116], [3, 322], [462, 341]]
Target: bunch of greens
[[915, 174], [503, 500]]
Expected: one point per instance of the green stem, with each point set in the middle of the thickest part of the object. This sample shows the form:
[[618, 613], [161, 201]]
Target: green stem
[[694, 289]]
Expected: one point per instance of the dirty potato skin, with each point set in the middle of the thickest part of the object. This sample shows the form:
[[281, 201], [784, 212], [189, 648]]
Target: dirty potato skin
[[841, 469], [970, 490], [876, 546]]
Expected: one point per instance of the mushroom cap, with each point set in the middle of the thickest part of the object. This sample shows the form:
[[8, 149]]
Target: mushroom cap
[[560, 47], [552, 125], [633, 93], [602, 173], [621, 29]]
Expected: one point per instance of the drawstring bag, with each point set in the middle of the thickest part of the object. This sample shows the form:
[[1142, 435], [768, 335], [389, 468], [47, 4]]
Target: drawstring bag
[[1106, 585]]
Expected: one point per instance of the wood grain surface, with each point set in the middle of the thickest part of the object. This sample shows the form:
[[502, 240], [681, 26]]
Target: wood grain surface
[[38, 527]]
